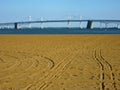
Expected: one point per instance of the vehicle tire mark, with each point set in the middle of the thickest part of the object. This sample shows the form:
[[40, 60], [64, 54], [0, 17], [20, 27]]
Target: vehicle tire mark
[[47, 79], [102, 85], [112, 76], [104, 66], [59, 69], [52, 61]]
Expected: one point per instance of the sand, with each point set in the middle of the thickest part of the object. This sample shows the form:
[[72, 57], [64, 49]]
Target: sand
[[59, 62]]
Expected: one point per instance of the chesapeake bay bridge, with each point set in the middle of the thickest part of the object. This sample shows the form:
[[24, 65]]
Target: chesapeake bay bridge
[[89, 23]]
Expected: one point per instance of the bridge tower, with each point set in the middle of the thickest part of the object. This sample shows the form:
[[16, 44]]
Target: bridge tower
[[41, 24], [89, 24], [80, 22], [68, 23], [30, 19], [16, 25]]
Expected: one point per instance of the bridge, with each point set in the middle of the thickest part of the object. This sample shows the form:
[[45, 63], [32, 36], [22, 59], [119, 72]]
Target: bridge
[[89, 23]]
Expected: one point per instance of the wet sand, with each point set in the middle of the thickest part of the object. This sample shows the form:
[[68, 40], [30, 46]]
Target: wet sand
[[59, 62]]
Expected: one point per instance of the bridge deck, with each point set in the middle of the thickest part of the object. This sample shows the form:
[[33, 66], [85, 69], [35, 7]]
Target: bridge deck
[[89, 25], [52, 21]]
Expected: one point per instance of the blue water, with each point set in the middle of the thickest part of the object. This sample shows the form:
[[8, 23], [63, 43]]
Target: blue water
[[59, 31]]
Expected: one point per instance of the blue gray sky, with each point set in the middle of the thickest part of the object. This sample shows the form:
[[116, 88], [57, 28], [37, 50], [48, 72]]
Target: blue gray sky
[[20, 10]]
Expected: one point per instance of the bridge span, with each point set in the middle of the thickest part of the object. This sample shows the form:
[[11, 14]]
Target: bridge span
[[89, 24]]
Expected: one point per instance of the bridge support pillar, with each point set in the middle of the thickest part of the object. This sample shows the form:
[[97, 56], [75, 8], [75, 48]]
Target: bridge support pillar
[[118, 26], [100, 25], [30, 26], [41, 26], [80, 25], [89, 24], [68, 24], [16, 25]]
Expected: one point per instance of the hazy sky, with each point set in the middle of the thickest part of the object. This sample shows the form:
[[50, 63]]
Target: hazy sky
[[19, 10]]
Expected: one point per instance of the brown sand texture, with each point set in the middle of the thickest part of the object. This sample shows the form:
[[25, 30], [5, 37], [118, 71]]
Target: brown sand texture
[[59, 62]]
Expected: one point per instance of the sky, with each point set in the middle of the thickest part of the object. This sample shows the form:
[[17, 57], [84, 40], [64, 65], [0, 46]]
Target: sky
[[20, 10]]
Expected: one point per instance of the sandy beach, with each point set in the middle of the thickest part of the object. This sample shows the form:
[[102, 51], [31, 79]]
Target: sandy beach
[[59, 62]]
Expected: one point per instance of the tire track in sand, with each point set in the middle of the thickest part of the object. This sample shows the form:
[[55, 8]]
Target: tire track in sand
[[52, 62], [58, 70], [104, 67], [8, 70], [51, 75]]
